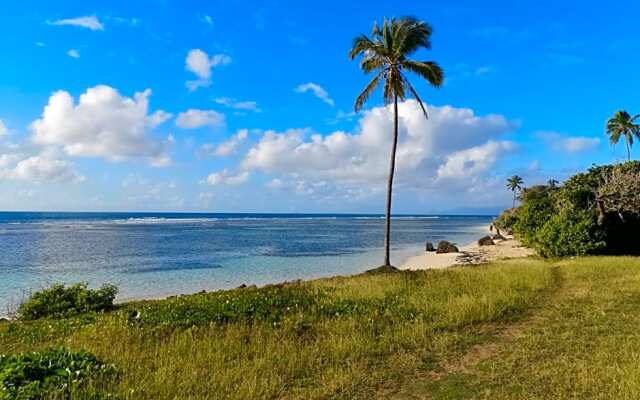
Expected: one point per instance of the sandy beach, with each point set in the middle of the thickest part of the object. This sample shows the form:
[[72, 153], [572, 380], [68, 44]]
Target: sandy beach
[[468, 255]]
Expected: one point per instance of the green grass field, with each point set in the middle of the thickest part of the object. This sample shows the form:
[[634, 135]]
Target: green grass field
[[519, 329]]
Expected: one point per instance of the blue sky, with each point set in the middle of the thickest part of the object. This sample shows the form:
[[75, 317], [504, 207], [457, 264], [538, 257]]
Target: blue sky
[[247, 106]]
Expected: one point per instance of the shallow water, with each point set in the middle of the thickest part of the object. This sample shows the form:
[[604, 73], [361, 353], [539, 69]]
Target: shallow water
[[155, 255]]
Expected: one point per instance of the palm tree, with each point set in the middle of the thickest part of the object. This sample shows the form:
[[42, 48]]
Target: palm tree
[[552, 183], [386, 54], [623, 124], [514, 183]]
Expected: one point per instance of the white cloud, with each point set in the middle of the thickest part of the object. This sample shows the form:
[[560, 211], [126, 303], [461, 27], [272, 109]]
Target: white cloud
[[225, 177], [473, 161], [102, 124], [39, 168], [230, 146], [578, 144], [73, 53], [452, 145], [194, 118], [238, 105], [568, 144], [90, 22], [36, 168], [317, 91], [200, 64]]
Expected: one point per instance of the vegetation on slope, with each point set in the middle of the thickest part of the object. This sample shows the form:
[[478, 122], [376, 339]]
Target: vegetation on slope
[[597, 212]]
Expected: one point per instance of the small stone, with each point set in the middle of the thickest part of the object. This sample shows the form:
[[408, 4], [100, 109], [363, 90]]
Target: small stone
[[429, 247]]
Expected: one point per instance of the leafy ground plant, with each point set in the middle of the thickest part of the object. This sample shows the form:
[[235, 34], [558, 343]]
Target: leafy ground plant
[[60, 301], [55, 372]]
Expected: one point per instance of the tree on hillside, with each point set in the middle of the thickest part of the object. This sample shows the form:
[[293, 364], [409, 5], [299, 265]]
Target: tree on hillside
[[386, 53], [514, 184], [622, 124], [552, 183]]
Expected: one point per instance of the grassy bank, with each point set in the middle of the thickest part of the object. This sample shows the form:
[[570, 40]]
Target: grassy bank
[[513, 329]]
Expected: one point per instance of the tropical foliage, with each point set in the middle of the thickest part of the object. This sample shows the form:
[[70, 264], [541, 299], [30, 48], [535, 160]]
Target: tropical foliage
[[386, 54], [514, 184], [592, 213], [623, 125]]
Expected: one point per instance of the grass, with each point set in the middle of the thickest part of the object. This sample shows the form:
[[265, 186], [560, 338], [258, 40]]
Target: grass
[[522, 329]]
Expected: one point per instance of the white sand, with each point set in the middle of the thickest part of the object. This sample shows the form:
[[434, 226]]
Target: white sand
[[470, 254]]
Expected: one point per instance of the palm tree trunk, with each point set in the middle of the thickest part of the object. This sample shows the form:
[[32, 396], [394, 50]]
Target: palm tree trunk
[[628, 151], [514, 199], [392, 167]]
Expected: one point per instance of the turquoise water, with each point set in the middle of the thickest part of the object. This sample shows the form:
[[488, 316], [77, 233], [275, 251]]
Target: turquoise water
[[156, 255]]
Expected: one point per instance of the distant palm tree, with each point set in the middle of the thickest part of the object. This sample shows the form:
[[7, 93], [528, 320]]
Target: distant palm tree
[[552, 183], [622, 124], [386, 53], [514, 183]]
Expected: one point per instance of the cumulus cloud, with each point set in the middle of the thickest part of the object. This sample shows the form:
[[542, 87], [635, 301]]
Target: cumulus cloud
[[228, 147], [102, 123], [317, 91], [36, 168], [238, 105], [194, 118], [473, 161], [73, 53], [226, 177], [568, 144], [200, 64], [454, 144], [89, 21]]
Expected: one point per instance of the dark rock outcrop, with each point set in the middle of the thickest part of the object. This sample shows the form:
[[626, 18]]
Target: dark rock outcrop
[[429, 247], [485, 241], [499, 237], [446, 247]]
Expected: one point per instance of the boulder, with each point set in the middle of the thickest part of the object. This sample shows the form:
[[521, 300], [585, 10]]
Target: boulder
[[429, 247], [499, 237], [485, 241], [446, 247]]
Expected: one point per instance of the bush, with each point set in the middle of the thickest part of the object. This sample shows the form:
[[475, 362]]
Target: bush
[[55, 371], [532, 216], [507, 220], [59, 301], [569, 234]]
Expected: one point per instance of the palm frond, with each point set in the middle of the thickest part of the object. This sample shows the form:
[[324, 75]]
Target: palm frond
[[372, 62], [361, 45], [415, 95], [417, 34], [428, 70], [362, 98]]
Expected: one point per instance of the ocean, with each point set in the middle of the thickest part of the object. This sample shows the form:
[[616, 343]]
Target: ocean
[[151, 255]]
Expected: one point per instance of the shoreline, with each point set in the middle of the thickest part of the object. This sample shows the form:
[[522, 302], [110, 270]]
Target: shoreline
[[470, 254]]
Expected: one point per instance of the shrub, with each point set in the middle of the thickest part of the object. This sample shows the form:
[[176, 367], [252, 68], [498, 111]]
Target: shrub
[[59, 301], [569, 234], [532, 216], [55, 371], [507, 220]]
